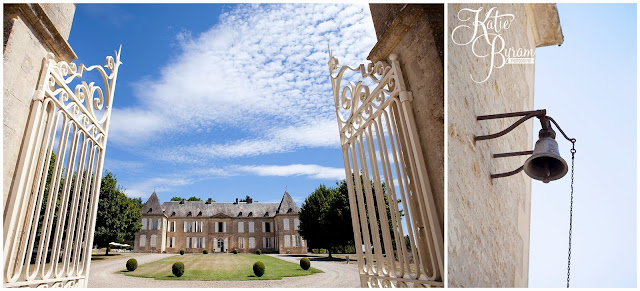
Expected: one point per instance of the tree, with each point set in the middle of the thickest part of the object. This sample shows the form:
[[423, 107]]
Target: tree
[[313, 225], [325, 216], [176, 198], [118, 215]]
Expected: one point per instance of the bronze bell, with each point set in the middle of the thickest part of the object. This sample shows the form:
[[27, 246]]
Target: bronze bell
[[546, 164]]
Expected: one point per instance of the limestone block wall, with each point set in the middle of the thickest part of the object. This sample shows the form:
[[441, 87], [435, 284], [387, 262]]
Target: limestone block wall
[[292, 233], [488, 220], [231, 235], [31, 31]]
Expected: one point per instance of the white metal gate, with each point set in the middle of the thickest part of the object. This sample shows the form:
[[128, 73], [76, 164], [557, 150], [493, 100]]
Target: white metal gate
[[48, 242], [380, 142]]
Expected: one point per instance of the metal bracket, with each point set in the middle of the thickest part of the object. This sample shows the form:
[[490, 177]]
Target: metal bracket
[[526, 115]]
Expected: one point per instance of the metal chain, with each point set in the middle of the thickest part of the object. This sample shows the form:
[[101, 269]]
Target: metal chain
[[573, 154]]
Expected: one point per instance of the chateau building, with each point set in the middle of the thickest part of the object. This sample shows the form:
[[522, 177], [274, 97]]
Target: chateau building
[[219, 227]]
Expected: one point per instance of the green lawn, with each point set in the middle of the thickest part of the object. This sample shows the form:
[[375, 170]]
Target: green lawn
[[219, 267]]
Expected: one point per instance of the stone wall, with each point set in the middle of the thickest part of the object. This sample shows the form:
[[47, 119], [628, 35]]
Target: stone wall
[[488, 220], [276, 232], [31, 31]]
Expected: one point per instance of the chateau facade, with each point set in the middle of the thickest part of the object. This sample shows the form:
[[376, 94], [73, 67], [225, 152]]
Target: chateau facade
[[219, 227]]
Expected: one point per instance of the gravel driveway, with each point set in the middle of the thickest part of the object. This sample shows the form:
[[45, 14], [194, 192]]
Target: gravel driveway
[[336, 275]]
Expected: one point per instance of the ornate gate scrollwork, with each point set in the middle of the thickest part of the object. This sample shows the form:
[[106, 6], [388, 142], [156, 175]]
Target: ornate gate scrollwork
[[381, 144], [49, 218]]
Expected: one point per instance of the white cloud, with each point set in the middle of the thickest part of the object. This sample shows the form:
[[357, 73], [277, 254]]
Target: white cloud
[[262, 70], [276, 140], [144, 188], [170, 182], [120, 165], [311, 171]]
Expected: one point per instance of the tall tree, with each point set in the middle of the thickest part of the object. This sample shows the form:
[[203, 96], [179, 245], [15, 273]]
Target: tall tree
[[313, 224], [325, 216], [194, 198], [176, 198], [118, 215]]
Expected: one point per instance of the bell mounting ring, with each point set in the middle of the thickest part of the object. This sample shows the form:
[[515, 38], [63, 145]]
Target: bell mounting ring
[[545, 163]]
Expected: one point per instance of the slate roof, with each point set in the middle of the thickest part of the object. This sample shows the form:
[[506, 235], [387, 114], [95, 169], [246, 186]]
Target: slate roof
[[287, 205], [201, 209], [204, 209], [152, 206]]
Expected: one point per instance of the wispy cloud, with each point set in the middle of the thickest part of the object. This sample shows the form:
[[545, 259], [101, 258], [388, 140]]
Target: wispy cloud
[[311, 171], [145, 187], [120, 165], [278, 140], [261, 71], [170, 182]]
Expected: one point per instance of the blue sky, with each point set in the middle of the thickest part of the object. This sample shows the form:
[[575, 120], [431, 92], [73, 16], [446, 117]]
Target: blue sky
[[588, 85], [223, 101]]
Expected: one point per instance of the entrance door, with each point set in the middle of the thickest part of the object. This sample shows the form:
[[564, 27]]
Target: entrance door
[[220, 245]]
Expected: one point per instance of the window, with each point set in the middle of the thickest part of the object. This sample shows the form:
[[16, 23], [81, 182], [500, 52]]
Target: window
[[188, 242], [285, 222], [267, 242], [152, 243], [266, 227], [144, 223], [171, 242], [251, 226], [188, 227], [220, 226], [298, 241], [143, 240], [172, 226], [240, 226], [200, 242], [296, 223], [154, 224], [252, 242], [198, 225], [287, 240], [221, 244], [241, 242]]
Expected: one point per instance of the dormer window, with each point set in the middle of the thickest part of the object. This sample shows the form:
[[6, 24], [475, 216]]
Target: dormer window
[[173, 213], [199, 213], [150, 209], [290, 210], [250, 214], [240, 214], [189, 214], [266, 214]]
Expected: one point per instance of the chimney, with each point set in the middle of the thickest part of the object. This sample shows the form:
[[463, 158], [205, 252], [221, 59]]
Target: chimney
[[182, 201], [209, 200], [249, 200], [236, 201]]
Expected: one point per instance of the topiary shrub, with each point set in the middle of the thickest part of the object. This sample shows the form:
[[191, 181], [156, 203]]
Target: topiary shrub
[[132, 265], [258, 252], [235, 252], [258, 268], [181, 252], [305, 263], [205, 251], [177, 269]]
